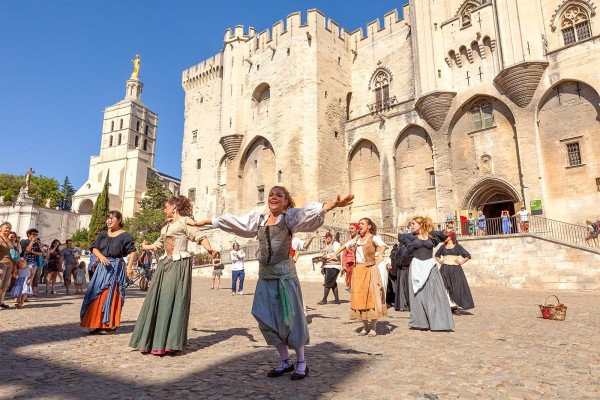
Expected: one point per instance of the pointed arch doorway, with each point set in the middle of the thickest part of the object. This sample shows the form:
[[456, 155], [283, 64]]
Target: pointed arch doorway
[[492, 195]]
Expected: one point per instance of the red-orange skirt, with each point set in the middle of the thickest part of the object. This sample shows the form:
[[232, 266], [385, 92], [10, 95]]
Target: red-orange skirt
[[93, 316]]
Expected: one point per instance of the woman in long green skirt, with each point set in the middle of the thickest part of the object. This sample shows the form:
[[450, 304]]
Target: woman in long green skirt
[[161, 327]]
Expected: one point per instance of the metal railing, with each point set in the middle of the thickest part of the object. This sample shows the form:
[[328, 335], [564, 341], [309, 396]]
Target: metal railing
[[538, 226]]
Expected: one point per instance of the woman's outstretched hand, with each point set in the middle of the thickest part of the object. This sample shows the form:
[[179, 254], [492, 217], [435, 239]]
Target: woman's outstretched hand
[[338, 202]]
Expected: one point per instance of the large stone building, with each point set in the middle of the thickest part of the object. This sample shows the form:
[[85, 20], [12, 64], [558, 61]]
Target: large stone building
[[460, 105], [127, 152]]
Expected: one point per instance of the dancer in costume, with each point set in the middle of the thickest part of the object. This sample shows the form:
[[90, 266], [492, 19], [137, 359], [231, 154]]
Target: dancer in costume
[[452, 273], [331, 268], [162, 325], [429, 308], [278, 306], [367, 298], [105, 295]]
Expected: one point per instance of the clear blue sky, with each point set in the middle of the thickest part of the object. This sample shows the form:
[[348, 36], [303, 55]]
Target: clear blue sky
[[62, 62]]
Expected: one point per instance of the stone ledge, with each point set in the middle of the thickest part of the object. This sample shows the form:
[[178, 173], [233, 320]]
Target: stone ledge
[[521, 80]]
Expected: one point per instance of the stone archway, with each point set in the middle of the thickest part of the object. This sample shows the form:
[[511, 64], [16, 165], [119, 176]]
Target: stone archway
[[86, 206], [492, 195], [365, 181], [258, 174]]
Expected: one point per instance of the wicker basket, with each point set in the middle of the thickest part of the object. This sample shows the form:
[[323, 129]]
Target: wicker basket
[[557, 312]]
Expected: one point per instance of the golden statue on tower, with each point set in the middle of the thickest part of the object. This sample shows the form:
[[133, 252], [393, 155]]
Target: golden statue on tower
[[136, 66]]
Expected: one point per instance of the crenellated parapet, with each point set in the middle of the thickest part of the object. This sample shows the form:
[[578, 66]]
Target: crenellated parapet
[[205, 71], [316, 23]]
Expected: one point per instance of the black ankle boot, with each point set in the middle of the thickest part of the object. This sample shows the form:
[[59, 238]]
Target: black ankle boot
[[325, 294], [335, 295]]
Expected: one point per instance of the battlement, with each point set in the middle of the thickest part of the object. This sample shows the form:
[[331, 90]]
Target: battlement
[[206, 70], [316, 23]]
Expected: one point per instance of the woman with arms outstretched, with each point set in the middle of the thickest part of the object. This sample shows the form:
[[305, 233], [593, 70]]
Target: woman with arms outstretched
[[278, 306]]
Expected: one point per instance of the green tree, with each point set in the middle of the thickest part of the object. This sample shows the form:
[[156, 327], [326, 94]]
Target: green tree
[[156, 195], [41, 188], [10, 185], [101, 210], [146, 224], [67, 191], [82, 236]]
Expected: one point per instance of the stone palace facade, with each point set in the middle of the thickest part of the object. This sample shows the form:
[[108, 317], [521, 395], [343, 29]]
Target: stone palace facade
[[458, 106]]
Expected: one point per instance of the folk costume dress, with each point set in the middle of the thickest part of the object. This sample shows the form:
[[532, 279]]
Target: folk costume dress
[[454, 277], [429, 308], [278, 305], [105, 293], [162, 324], [367, 298]]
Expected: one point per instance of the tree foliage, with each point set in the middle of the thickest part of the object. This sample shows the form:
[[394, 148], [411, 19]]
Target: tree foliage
[[101, 210], [41, 188], [82, 236], [146, 224], [67, 190], [156, 195]]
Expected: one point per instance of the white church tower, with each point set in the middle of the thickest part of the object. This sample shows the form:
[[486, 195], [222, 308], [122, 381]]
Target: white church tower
[[126, 151]]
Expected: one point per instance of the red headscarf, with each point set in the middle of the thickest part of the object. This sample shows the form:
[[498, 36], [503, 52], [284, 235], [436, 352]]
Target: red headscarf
[[354, 224]]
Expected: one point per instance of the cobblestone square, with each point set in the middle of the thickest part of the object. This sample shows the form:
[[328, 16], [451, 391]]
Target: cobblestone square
[[504, 350]]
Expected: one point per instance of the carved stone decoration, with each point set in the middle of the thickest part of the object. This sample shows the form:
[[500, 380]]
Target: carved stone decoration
[[521, 80], [377, 72], [589, 5], [231, 144], [434, 106], [486, 164]]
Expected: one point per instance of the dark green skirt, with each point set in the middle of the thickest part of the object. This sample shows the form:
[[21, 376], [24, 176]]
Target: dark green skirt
[[163, 321]]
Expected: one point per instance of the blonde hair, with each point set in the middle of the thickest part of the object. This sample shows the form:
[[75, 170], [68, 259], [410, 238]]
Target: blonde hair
[[288, 197], [426, 224]]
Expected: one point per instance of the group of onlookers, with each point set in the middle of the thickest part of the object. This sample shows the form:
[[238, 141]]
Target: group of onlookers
[[26, 263]]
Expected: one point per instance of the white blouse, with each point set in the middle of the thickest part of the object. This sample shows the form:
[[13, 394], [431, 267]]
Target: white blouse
[[306, 219], [360, 255]]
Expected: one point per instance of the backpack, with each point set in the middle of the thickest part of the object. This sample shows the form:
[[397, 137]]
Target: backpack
[[596, 227]]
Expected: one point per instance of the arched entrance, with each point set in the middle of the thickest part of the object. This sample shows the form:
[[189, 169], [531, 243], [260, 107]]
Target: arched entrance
[[86, 206], [365, 181], [492, 195], [257, 170]]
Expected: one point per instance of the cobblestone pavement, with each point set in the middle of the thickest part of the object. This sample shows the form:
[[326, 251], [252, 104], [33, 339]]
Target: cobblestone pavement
[[504, 350]]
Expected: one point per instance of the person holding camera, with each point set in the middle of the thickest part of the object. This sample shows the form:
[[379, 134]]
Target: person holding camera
[[237, 269]]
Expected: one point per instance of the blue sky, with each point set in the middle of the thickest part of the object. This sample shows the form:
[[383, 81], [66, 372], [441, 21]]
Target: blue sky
[[62, 62]]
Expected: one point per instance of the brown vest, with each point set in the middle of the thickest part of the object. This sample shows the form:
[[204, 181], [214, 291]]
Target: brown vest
[[369, 250]]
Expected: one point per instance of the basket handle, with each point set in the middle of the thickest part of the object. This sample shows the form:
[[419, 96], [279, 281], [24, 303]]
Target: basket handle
[[552, 295]]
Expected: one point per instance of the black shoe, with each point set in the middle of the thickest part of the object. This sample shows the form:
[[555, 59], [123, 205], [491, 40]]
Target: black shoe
[[276, 372], [455, 311], [96, 331], [109, 331], [336, 302], [5, 306], [296, 376], [322, 302]]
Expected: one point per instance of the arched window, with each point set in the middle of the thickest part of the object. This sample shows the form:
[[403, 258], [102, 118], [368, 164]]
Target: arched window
[[110, 141], [146, 130], [121, 124], [137, 142], [119, 139], [145, 144], [575, 25], [381, 83], [261, 93], [112, 126], [482, 115], [137, 126]]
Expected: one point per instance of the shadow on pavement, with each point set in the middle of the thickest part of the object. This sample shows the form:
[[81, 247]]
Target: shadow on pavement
[[240, 375]]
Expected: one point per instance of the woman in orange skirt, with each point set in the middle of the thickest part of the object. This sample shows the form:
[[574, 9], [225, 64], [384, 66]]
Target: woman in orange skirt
[[105, 295]]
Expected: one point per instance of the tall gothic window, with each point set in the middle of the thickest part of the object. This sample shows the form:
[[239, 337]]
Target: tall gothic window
[[146, 130], [137, 126], [110, 141], [121, 124], [482, 115], [136, 142], [145, 144], [119, 139], [575, 25], [382, 89], [112, 126]]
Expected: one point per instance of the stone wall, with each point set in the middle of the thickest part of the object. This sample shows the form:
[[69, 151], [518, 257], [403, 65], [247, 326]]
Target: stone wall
[[517, 261]]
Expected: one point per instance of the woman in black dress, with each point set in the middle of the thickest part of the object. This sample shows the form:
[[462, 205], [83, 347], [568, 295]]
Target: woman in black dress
[[53, 265], [452, 256], [105, 295]]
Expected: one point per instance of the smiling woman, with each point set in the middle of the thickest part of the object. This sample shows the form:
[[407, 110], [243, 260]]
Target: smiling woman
[[278, 306]]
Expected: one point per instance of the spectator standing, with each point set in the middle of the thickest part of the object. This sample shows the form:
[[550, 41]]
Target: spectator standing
[[70, 257], [348, 259], [31, 251], [6, 260], [80, 278], [218, 268], [592, 232], [54, 263], [237, 269], [523, 217], [481, 224], [505, 218], [331, 267]]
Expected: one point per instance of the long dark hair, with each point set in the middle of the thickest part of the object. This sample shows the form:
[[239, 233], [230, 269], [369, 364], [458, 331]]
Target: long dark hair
[[182, 204], [115, 214]]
